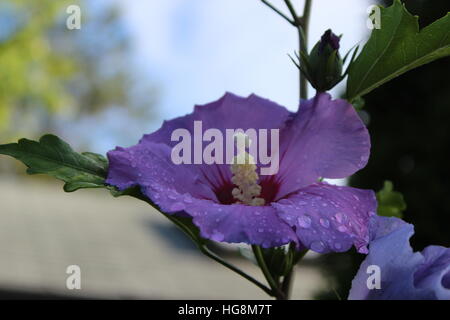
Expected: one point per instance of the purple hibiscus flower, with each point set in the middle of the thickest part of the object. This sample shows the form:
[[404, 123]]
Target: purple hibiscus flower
[[404, 274], [324, 139]]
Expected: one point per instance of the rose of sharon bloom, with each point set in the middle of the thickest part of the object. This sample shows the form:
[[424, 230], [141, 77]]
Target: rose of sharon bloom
[[405, 275], [324, 138]]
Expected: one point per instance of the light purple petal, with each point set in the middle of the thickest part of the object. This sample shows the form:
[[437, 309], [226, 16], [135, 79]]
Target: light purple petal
[[329, 218], [148, 165], [229, 112], [434, 273], [240, 223], [405, 275], [326, 138]]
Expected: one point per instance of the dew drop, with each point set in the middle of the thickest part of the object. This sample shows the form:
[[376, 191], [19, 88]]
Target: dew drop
[[339, 217], [318, 246], [304, 222], [217, 236], [177, 206], [324, 223], [342, 229]]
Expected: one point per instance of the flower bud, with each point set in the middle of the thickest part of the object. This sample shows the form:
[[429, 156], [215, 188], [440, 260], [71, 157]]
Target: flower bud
[[324, 64]]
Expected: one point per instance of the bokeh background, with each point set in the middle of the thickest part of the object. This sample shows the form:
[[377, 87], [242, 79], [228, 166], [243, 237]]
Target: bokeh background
[[135, 63]]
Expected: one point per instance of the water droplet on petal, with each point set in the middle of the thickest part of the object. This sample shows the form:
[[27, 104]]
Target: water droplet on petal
[[304, 221], [337, 246], [317, 246], [177, 207], [217, 236], [324, 223], [342, 229], [339, 217]]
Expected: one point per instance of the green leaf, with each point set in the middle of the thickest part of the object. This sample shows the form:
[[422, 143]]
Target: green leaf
[[54, 157], [396, 48], [390, 202]]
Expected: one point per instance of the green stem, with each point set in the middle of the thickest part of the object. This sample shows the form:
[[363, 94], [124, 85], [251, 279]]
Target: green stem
[[257, 251], [292, 11], [303, 31], [302, 25], [207, 252], [281, 14], [203, 248], [216, 258], [288, 279]]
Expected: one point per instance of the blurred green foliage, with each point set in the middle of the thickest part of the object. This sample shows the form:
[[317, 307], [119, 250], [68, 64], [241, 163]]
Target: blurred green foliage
[[390, 202], [47, 70], [31, 73]]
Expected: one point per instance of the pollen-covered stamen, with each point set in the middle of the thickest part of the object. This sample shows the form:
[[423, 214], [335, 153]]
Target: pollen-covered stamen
[[244, 174]]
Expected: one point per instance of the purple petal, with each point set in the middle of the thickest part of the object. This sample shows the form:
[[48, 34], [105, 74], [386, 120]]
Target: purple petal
[[229, 112], [149, 166], [405, 275], [176, 189], [240, 223], [326, 138], [329, 218], [434, 273]]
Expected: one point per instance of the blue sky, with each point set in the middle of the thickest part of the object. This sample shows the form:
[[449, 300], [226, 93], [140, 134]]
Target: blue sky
[[198, 49]]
